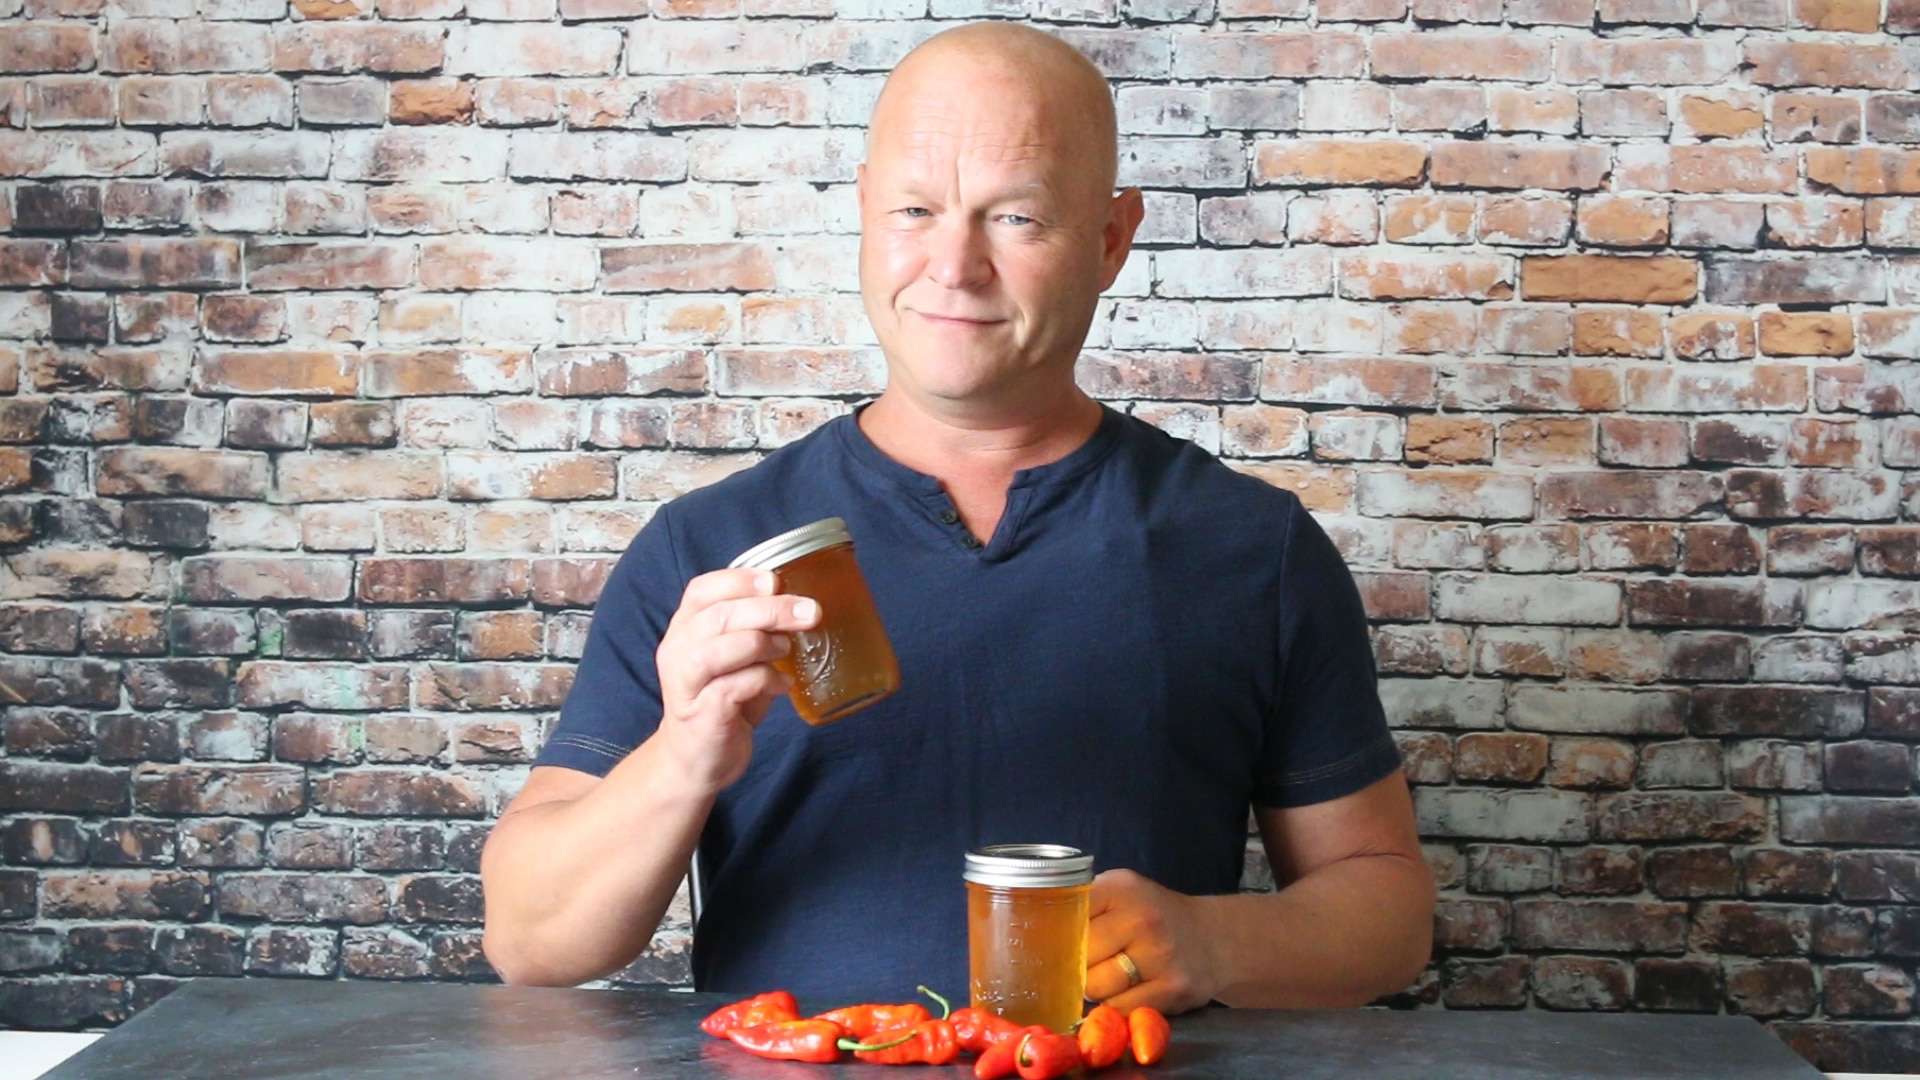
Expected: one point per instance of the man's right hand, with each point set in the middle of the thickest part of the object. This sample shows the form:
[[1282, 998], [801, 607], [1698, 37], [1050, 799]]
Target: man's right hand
[[716, 675]]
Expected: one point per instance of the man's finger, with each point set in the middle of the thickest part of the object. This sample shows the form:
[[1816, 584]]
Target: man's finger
[[1106, 935], [1147, 993], [1108, 887], [1107, 979], [783, 613], [714, 586], [728, 653]]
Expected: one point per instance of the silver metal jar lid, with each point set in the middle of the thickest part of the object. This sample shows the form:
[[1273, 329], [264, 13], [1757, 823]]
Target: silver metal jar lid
[[1029, 866], [792, 544]]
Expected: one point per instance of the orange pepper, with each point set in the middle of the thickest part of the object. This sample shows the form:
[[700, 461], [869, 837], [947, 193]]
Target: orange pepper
[[1150, 1033], [1103, 1036]]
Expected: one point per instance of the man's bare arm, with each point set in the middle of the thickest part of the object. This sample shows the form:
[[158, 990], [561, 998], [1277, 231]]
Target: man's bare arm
[[579, 870], [1352, 921], [1354, 917]]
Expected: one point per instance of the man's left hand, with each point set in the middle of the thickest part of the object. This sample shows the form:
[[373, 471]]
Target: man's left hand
[[1160, 931]]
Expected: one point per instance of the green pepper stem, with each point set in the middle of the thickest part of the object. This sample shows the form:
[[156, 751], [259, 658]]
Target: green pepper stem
[[856, 1044], [946, 1010]]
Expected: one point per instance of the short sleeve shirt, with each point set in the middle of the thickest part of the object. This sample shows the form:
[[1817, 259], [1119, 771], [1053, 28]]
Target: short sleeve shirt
[[1149, 644]]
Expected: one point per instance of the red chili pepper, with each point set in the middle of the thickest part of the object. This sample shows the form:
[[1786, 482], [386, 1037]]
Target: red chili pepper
[[1102, 1035], [930, 1042], [862, 1021], [1045, 1055], [980, 1030], [997, 1062], [1149, 1031], [768, 1008], [817, 1041]]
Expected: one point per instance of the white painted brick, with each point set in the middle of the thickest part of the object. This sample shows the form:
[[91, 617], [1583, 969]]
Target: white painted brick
[[1493, 599]]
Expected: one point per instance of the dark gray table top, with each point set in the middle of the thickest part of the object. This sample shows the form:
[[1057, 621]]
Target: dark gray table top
[[292, 1028]]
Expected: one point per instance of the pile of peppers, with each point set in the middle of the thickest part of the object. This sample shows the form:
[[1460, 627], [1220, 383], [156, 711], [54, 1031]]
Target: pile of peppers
[[770, 1026]]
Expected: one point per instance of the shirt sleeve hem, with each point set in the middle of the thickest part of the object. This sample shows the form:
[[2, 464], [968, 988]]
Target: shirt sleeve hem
[[1323, 783], [581, 752]]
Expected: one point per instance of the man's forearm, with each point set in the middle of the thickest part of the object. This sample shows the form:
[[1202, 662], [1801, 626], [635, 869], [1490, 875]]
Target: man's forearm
[[575, 888], [1341, 936]]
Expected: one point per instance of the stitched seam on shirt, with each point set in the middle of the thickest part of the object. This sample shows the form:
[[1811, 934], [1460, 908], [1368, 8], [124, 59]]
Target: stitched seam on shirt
[[1346, 764], [579, 742], [607, 744]]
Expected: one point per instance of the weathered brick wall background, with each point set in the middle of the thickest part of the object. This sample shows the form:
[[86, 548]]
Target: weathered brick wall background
[[346, 343]]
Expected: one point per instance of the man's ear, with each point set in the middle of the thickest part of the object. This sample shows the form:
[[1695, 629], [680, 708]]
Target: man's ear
[[860, 188], [1123, 220]]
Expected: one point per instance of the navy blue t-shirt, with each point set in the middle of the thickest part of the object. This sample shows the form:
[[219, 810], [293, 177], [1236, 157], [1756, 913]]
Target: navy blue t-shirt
[[1149, 644]]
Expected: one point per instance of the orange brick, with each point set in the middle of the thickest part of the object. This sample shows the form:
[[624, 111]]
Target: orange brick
[[1525, 220], [1716, 118], [1865, 171], [1392, 163], [1855, 16], [431, 101], [1448, 440], [1656, 280], [1784, 333], [1617, 332], [1429, 219], [1623, 220]]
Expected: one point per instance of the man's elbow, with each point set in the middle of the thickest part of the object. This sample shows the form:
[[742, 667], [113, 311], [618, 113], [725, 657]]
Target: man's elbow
[[1416, 936], [516, 963]]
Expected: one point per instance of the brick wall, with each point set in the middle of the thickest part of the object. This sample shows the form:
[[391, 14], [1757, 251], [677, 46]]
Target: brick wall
[[344, 345]]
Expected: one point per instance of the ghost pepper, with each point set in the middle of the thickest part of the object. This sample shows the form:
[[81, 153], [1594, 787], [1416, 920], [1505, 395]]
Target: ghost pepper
[[1044, 1056], [816, 1041], [768, 1008], [980, 1030]]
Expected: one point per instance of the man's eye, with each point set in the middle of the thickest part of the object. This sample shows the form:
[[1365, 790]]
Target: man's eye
[[1018, 219], [912, 211]]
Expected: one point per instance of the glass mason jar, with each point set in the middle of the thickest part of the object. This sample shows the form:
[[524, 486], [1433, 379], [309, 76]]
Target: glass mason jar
[[1027, 931], [845, 663]]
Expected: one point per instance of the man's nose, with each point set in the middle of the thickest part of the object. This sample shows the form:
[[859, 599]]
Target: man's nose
[[958, 256]]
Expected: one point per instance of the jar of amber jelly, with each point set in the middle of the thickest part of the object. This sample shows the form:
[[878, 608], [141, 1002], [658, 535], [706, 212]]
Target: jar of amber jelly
[[1027, 931], [845, 663]]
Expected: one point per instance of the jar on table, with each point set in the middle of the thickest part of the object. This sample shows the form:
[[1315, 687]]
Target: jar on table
[[845, 663], [1027, 908]]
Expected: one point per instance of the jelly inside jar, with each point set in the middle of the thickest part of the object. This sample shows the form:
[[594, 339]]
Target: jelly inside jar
[[845, 663], [1027, 952]]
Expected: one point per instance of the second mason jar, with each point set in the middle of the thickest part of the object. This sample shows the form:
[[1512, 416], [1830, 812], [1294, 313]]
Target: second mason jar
[[1027, 910], [845, 663]]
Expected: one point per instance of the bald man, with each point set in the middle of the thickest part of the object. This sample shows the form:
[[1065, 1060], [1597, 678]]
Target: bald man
[[1107, 639]]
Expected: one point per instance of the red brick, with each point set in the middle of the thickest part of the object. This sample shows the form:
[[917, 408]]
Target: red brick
[[160, 471], [1829, 118], [1704, 168], [1509, 57], [417, 581], [1825, 63], [1566, 167], [337, 48]]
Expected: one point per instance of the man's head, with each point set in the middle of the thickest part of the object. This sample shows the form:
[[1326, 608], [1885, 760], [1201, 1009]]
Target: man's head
[[988, 222]]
